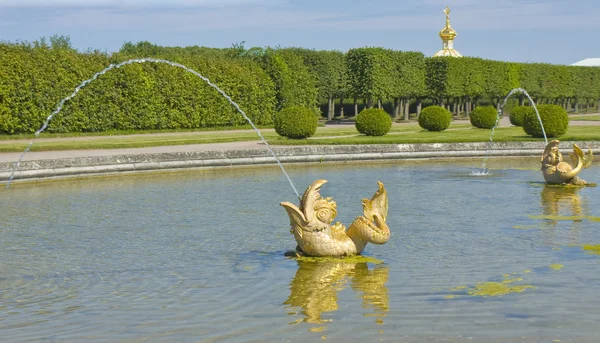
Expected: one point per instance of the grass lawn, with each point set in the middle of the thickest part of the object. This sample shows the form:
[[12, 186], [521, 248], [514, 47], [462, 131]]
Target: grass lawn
[[585, 118], [457, 135], [46, 134], [408, 133]]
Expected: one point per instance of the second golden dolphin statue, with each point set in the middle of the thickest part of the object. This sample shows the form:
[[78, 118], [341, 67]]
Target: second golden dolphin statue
[[557, 171]]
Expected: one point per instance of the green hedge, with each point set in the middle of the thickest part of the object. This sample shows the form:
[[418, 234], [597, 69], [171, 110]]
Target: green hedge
[[296, 122], [483, 117], [137, 96], [554, 118], [35, 77], [373, 122], [518, 113], [293, 81], [435, 118]]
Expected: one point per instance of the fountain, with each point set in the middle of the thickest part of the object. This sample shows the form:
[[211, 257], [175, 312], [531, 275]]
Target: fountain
[[557, 171], [17, 164], [484, 170], [186, 257], [311, 224], [97, 251]]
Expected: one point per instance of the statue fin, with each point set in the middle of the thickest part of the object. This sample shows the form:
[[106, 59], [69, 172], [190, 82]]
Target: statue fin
[[377, 205], [589, 158], [310, 197], [296, 216]]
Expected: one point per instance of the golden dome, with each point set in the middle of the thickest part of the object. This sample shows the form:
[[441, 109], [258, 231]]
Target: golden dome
[[447, 34]]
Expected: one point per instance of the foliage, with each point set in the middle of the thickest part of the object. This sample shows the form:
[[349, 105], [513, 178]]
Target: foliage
[[408, 77], [435, 118], [518, 113], [296, 122], [436, 76], [372, 73], [499, 79], [483, 117], [327, 68], [294, 84], [137, 96], [554, 118], [36, 76], [466, 77], [373, 122]]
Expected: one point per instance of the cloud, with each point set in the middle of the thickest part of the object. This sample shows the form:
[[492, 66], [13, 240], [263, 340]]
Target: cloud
[[207, 15], [138, 3], [191, 20], [480, 15]]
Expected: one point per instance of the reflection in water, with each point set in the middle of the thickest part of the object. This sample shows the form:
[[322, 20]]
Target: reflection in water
[[561, 203], [559, 200], [316, 285]]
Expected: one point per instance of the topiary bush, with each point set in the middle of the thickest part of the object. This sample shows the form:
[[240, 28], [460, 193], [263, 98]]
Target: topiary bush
[[435, 118], [373, 122], [483, 117], [518, 113], [295, 122], [554, 118]]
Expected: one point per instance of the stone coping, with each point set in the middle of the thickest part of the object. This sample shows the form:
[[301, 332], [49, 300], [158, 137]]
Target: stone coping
[[64, 167]]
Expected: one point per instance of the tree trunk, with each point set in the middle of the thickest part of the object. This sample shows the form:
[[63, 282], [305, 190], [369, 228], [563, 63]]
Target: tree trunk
[[370, 103], [576, 100], [406, 108], [396, 111], [355, 107], [341, 107], [330, 109], [587, 105], [468, 106], [379, 103], [568, 105], [419, 105]]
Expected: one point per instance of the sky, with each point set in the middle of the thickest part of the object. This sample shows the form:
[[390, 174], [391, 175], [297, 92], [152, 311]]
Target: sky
[[550, 31]]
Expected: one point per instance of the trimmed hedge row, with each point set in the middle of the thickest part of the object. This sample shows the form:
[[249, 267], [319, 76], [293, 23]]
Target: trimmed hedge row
[[262, 81], [137, 96]]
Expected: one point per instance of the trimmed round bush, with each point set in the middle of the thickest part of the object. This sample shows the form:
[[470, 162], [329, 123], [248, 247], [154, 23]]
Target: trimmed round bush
[[483, 117], [554, 118], [373, 122], [435, 118], [518, 113], [295, 122]]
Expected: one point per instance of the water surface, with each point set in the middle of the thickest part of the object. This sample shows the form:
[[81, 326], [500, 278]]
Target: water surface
[[197, 256]]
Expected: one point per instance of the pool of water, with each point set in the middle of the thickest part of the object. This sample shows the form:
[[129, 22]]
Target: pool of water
[[197, 256]]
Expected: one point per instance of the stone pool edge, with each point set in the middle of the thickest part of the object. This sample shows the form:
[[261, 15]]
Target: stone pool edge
[[118, 163]]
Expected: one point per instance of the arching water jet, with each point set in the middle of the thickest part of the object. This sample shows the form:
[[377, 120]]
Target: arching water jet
[[484, 170], [17, 164]]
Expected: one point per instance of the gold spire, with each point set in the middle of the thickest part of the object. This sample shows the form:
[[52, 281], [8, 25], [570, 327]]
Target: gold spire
[[447, 35]]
